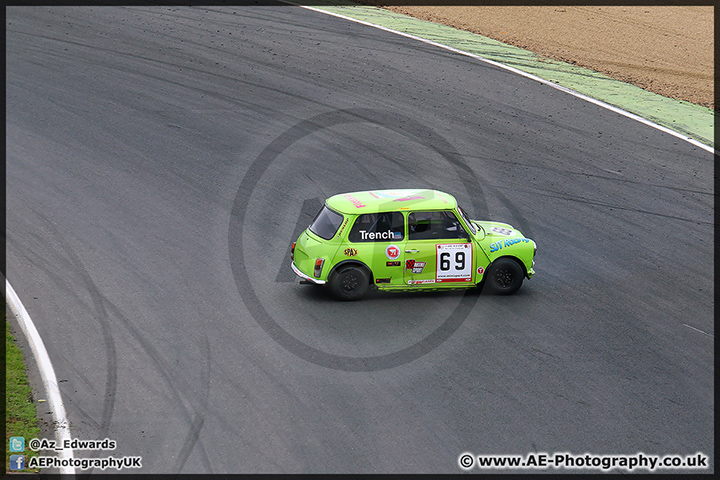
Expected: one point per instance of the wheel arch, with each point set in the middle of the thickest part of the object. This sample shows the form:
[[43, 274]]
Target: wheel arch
[[513, 258], [352, 262], [498, 281]]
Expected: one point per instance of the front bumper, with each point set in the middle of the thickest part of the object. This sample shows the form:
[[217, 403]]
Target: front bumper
[[306, 277]]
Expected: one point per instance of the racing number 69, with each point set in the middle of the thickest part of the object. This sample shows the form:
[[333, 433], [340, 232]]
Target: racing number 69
[[454, 262], [445, 261]]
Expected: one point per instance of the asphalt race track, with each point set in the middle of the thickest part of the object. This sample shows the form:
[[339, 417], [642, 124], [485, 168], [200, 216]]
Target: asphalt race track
[[161, 160]]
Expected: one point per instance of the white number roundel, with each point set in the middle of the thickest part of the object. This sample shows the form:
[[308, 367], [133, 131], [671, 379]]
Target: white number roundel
[[454, 262], [501, 231]]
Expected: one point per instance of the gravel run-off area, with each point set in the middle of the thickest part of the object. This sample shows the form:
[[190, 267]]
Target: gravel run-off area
[[668, 50]]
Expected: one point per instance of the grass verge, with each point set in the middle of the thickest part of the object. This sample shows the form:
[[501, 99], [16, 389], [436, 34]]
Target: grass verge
[[20, 411]]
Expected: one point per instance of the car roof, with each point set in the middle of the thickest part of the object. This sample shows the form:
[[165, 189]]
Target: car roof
[[373, 201]]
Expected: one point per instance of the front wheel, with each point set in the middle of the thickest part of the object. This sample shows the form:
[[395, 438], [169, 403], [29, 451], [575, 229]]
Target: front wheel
[[349, 283], [504, 277]]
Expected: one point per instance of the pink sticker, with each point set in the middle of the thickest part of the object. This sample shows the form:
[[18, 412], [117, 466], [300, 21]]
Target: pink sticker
[[355, 201]]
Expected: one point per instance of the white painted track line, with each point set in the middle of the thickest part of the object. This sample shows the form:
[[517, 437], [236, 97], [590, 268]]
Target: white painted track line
[[62, 426], [517, 71]]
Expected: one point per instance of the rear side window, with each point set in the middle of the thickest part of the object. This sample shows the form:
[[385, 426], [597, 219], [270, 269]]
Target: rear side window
[[378, 227], [326, 223]]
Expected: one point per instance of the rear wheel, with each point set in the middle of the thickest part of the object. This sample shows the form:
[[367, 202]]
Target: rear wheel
[[504, 277], [350, 283]]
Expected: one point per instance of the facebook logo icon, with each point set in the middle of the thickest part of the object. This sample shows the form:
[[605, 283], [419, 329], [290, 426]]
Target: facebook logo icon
[[17, 462]]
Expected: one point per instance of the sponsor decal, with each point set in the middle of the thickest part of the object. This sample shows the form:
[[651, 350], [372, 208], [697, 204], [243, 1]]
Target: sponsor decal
[[354, 201], [396, 196], [480, 270], [454, 262], [405, 199], [382, 280], [392, 264], [495, 246], [418, 282], [501, 231], [414, 266], [350, 252], [392, 252], [389, 235], [342, 227]]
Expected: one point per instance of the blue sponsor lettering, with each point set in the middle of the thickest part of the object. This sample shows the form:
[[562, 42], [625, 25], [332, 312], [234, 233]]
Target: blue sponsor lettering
[[513, 241], [495, 246]]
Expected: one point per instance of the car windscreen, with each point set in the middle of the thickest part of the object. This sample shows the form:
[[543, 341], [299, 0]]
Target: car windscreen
[[467, 220], [326, 223]]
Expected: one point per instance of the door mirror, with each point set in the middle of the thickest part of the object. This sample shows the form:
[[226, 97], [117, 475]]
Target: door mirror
[[459, 230]]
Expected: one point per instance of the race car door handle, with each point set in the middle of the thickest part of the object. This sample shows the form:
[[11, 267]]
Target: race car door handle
[[412, 251]]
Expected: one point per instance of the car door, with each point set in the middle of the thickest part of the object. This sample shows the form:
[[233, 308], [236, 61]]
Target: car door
[[438, 250], [377, 239]]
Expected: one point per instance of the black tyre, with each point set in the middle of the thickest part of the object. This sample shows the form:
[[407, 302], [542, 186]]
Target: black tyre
[[504, 277], [349, 283]]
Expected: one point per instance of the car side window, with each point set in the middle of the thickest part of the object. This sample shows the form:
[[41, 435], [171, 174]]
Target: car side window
[[434, 225], [378, 227], [326, 223]]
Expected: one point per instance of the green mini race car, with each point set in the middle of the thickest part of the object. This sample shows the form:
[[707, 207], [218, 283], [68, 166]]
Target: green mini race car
[[401, 240]]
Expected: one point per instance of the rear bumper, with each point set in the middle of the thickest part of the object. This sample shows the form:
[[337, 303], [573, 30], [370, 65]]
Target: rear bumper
[[306, 277]]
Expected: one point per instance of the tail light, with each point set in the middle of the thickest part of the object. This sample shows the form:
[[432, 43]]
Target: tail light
[[292, 251], [318, 267]]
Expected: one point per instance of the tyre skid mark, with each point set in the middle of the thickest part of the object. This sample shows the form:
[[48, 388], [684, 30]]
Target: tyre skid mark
[[72, 264], [102, 310]]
